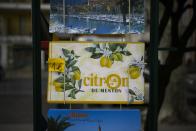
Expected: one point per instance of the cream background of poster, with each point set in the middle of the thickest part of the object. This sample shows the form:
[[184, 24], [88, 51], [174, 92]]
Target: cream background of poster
[[89, 66]]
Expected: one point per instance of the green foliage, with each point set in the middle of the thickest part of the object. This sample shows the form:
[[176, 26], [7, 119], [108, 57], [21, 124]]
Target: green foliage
[[114, 51], [66, 79], [90, 49], [126, 53], [96, 55], [65, 52], [71, 63], [58, 124]]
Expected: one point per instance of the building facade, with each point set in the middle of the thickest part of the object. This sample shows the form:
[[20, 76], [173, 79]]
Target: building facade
[[16, 32]]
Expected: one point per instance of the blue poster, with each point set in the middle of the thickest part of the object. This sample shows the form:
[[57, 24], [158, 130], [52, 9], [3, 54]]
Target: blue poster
[[97, 16], [94, 120]]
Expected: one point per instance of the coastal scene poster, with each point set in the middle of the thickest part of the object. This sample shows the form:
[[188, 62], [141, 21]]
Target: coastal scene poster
[[96, 72], [94, 120], [97, 16]]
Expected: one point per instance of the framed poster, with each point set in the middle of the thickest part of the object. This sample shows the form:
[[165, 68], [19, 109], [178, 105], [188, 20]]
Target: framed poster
[[94, 120], [97, 16], [96, 72]]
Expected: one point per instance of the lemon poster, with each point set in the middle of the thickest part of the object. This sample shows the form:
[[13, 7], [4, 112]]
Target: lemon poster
[[96, 72], [94, 120]]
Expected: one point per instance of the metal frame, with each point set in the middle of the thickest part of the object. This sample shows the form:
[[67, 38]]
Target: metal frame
[[37, 94], [154, 39]]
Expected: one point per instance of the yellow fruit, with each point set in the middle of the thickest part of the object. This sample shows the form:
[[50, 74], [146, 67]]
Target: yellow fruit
[[76, 75], [109, 63], [58, 89], [115, 57], [56, 83], [119, 56], [105, 62], [58, 86], [134, 72]]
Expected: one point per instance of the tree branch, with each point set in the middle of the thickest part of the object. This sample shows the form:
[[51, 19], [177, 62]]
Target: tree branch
[[165, 18], [163, 23], [176, 17], [188, 32]]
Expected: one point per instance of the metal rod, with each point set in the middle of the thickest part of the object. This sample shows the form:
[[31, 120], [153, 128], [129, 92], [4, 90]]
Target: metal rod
[[129, 15], [37, 104], [188, 49], [168, 49], [154, 39], [63, 14]]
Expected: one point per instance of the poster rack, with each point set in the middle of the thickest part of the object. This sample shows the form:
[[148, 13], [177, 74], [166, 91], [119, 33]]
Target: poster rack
[[38, 121]]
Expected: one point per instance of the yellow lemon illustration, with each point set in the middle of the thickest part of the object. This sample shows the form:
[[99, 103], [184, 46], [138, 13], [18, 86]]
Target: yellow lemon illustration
[[134, 72], [55, 83], [58, 86], [77, 75], [109, 63], [105, 62], [117, 56], [58, 89]]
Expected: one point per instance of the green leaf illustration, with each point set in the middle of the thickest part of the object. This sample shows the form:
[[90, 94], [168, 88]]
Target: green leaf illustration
[[67, 87], [72, 51], [65, 52], [90, 49], [72, 63], [75, 68], [122, 45], [131, 92], [142, 58], [80, 83], [61, 79], [97, 45], [77, 56], [72, 94], [113, 47], [96, 55], [73, 82], [126, 53]]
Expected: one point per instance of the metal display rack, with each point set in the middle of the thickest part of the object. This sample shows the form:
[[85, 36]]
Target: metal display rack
[[38, 120]]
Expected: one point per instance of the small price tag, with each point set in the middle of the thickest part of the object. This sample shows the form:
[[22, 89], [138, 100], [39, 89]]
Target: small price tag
[[56, 65]]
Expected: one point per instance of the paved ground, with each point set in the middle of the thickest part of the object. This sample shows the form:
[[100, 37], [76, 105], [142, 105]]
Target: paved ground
[[16, 105], [16, 102]]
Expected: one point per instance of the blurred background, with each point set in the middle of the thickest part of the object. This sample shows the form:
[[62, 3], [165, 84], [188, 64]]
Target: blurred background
[[16, 83], [177, 64]]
